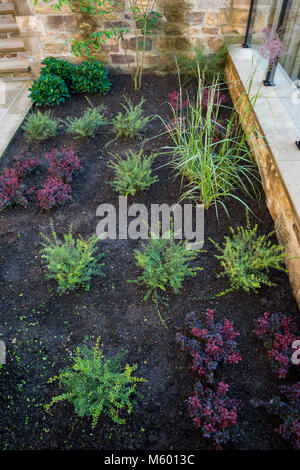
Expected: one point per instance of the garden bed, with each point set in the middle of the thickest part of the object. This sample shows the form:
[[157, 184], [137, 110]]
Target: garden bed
[[41, 328]]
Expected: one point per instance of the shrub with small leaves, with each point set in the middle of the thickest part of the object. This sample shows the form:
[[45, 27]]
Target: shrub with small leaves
[[49, 90], [54, 192], [88, 124], [90, 77], [40, 126], [130, 123], [71, 261], [165, 264], [64, 164], [133, 173], [247, 258], [23, 166], [11, 190], [97, 386], [287, 408], [211, 343], [277, 332], [215, 414]]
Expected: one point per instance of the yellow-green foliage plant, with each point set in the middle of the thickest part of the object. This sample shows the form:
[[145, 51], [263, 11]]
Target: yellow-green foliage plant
[[88, 124], [72, 261], [133, 173], [40, 126], [97, 386], [247, 258]]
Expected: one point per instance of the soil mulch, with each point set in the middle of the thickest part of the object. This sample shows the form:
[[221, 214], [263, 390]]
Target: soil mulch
[[42, 328]]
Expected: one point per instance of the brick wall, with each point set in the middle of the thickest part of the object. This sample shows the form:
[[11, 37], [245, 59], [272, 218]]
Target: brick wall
[[183, 24]]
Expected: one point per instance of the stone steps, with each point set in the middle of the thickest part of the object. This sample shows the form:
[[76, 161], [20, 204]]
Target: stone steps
[[7, 9], [11, 45], [9, 27], [14, 65]]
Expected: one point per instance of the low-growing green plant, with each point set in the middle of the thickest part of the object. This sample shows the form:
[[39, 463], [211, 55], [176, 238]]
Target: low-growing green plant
[[49, 90], [131, 122], [97, 386], [133, 173], [73, 261], [90, 76], [88, 124], [40, 126], [165, 264], [247, 258]]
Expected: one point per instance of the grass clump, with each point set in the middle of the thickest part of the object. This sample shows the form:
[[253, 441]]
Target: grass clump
[[97, 386], [71, 261], [131, 122], [40, 126], [133, 173], [165, 264], [247, 258], [88, 124]]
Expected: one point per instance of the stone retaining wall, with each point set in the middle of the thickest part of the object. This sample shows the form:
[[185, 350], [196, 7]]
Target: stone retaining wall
[[183, 24], [275, 173]]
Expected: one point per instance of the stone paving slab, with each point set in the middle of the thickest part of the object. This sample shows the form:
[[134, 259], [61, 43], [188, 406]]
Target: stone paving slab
[[14, 105]]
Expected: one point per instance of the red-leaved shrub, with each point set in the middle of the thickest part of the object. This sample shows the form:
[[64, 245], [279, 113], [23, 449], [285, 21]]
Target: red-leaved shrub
[[63, 164], [53, 192], [11, 191], [277, 333], [214, 413]]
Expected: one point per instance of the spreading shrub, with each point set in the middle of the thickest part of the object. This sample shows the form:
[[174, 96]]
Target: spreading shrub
[[247, 258], [97, 386], [130, 123], [49, 90], [90, 77], [211, 343], [64, 164], [40, 126], [215, 414], [277, 333], [133, 173], [88, 124], [71, 261], [165, 264], [23, 166], [287, 408]]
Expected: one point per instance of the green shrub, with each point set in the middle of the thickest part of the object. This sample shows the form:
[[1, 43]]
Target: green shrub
[[90, 77], [40, 126], [97, 386], [133, 173], [72, 262], [61, 68], [49, 90], [88, 124], [130, 123], [165, 264], [247, 258]]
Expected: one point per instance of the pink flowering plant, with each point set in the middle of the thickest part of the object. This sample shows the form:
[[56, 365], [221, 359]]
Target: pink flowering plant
[[287, 408], [210, 344], [272, 47], [214, 413], [278, 334]]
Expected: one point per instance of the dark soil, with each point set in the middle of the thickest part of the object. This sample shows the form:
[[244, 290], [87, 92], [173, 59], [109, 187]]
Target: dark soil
[[42, 328]]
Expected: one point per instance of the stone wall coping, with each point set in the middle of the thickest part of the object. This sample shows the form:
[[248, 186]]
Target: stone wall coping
[[276, 125]]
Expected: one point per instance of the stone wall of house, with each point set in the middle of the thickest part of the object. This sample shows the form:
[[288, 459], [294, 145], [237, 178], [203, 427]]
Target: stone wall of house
[[183, 24], [280, 205]]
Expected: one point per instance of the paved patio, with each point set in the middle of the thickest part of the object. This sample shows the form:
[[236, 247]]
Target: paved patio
[[14, 105]]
